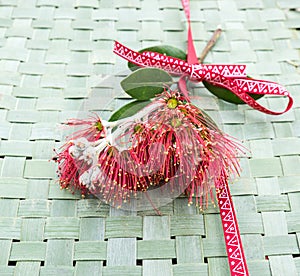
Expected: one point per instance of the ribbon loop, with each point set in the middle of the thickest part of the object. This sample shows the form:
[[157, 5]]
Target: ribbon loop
[[230, 76], [191, 53]]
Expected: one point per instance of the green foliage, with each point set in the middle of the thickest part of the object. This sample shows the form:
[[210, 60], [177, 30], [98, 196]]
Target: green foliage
[[146, 83], [128, 110]]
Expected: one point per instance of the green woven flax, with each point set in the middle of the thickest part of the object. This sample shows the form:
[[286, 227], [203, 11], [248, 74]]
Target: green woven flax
[[54, 55]]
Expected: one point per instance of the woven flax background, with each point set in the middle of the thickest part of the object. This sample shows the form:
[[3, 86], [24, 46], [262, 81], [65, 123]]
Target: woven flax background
[[53, 56]]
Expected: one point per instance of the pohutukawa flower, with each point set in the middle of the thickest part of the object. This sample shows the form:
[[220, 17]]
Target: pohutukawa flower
[[74, 158], [92, 129], [179, 141], [117, 176], [169, 145], [79, 154]]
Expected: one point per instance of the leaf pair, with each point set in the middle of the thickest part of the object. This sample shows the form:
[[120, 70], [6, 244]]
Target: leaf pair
[[142, 85]]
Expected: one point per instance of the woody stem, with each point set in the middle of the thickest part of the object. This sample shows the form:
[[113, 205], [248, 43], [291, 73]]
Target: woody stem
[[210, 44]]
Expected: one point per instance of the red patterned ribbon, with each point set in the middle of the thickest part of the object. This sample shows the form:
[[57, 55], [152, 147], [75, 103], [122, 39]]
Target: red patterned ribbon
[[229, 76], [234, 248], [232, 77], [191, 52], [233, 242]]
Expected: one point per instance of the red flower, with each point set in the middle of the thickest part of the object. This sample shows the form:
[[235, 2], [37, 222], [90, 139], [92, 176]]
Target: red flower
[[182, 146], [116, 178], [75, 158], [76, 155], [92, 129], [170, 145]]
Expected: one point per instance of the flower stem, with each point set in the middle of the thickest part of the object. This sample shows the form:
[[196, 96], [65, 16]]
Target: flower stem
[[210, 44], [152, 204]]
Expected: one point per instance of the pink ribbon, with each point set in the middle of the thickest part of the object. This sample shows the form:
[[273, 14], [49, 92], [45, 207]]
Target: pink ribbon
[[229, 76], [191, 52], [232, 237], [223, 74], [232, 77]]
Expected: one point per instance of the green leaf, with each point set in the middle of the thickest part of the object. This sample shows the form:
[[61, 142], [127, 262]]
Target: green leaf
[[128, 110], [162, 49], [226, 94], [146, 83]]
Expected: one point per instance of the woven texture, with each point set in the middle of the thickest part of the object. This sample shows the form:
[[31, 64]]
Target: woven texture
[[54, 55]]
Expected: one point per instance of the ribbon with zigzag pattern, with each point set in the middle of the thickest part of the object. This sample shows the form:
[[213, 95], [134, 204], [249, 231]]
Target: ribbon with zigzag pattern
[[225, 73], [230, 76], [232, 237]]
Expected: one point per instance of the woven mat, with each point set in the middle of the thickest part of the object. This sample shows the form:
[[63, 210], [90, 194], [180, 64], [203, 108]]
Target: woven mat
[[54, 57]]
